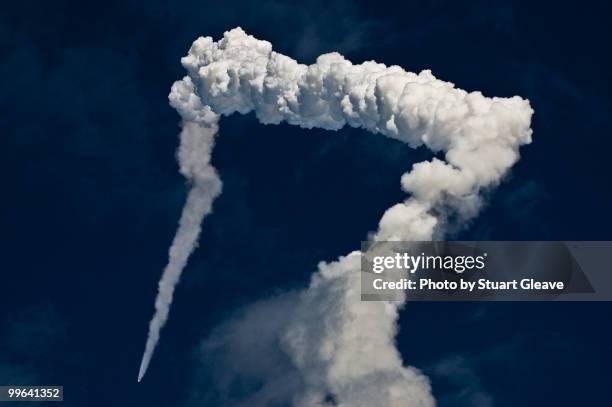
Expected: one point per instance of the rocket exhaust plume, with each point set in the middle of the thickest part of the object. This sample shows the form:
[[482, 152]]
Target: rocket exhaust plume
[[336, 344], [197, 139]]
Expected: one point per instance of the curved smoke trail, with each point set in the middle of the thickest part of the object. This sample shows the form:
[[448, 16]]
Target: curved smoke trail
[[339, 345]]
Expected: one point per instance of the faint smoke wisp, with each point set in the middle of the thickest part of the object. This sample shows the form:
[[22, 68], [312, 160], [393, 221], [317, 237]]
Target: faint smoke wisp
[[341, 350]]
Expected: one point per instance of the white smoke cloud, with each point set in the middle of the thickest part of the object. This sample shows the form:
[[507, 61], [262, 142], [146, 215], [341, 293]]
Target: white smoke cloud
[[339, 350], [197, 139]]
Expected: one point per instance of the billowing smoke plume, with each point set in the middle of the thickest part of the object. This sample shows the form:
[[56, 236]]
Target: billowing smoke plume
[[341, 350]]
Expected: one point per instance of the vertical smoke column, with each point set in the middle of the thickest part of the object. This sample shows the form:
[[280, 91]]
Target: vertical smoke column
[[197, 140]]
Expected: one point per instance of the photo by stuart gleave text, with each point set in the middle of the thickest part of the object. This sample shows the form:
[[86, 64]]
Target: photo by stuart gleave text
[[469, 271]]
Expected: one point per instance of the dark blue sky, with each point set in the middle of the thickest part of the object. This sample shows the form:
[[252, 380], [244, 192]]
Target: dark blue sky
[[92, 193]]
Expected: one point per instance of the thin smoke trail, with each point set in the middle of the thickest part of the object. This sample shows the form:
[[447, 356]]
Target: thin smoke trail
[[194, 158]]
